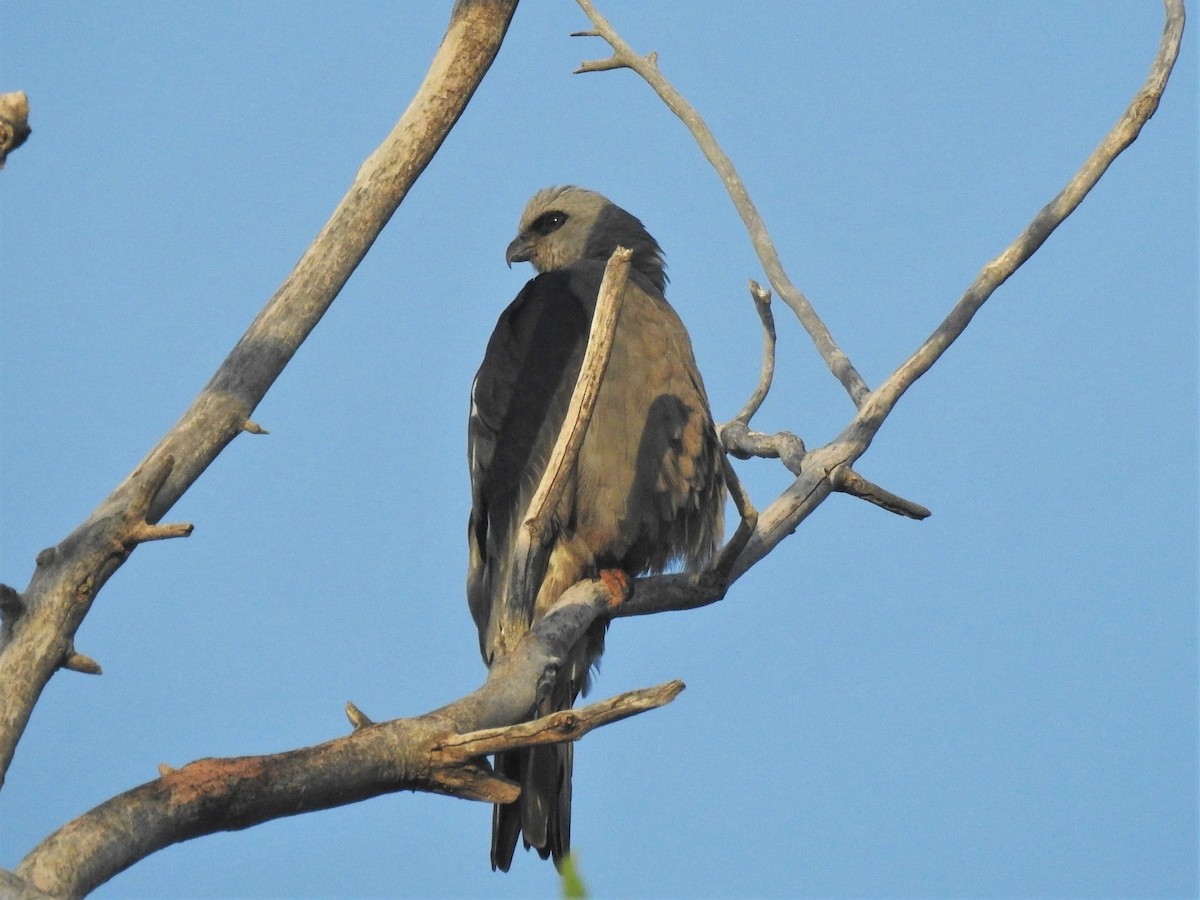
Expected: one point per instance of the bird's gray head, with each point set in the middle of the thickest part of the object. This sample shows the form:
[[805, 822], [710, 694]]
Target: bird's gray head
[[562, 225]]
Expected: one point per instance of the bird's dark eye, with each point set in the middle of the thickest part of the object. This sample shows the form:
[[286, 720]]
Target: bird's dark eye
[[548, 222]]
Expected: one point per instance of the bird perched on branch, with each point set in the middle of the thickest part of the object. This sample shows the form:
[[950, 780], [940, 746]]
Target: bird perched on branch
[[647, 488]]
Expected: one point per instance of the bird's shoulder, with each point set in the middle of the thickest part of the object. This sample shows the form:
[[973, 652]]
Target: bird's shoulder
[[534, 341], [556, 302]]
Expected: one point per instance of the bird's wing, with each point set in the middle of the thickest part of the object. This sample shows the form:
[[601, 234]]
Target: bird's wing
[[518, 403], [650, 483]]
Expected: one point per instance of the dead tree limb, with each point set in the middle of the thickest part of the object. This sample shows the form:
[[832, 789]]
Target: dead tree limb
[[762, 305], [38, 641], [824, 470], [535, 535], [440, 752], [647, 67]]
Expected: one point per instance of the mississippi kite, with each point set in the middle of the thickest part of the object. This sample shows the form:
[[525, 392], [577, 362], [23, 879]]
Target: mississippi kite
[[647, 488]]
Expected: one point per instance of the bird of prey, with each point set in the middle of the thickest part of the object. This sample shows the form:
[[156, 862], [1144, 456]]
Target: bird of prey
[[647, 488]]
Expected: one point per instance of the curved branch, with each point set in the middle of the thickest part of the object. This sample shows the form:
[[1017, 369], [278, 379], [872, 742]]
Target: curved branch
[[439, 752], [824, 470], [647, 67], [67, 579], [603, 330], [997, 271], [535, 536], [762, 304]]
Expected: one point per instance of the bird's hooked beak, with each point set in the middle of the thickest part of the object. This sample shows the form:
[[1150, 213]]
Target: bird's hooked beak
[[520, 250]]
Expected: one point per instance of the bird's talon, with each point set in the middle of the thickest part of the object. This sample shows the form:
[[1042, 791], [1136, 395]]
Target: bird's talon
[[618, 584]]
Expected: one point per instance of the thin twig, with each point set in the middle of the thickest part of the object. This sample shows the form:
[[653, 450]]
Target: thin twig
[[722, 565], [847, 481], [144, 532], [998, 270], [583, 399], [68, 576], [564, 725], [534, 536], [762, 303], [646, 66]]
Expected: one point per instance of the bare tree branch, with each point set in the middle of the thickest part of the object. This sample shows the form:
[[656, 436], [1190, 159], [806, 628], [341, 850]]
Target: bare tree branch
[[722, 565], [438, 752], [997, 271], [69, 575], [534, 536], [824, 470], [564, 725], [583, 398], [847, 481], [426, 753], [358, 719], [762, 303], [647, 67], [85, 665], [12, 887]]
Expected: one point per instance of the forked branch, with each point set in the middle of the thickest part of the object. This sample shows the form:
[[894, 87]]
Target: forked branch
[[737, 436], [1001, 268], [440, 752], [827, 469], [534, 536], [564, 725], [68, 576], [647, 67]]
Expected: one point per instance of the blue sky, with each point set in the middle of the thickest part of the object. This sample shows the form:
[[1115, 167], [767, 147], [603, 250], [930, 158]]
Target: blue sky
[[999, 701]]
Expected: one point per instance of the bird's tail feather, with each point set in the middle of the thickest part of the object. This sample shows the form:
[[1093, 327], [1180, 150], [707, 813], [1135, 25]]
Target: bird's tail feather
[[542, 814], [506, 818]]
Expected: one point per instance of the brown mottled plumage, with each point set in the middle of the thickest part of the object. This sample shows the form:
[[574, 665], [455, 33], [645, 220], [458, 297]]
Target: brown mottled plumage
[[647, 488]]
